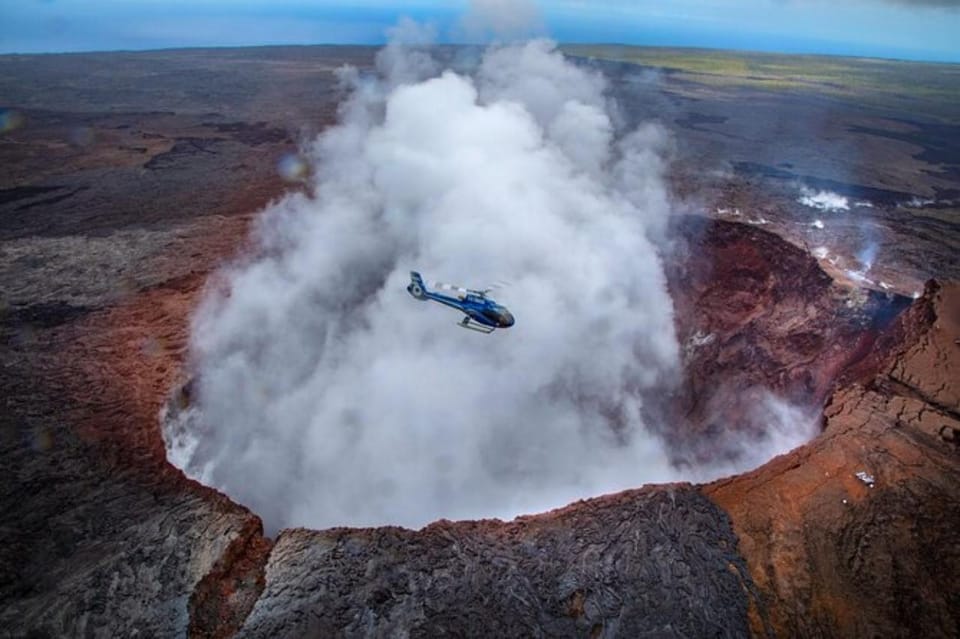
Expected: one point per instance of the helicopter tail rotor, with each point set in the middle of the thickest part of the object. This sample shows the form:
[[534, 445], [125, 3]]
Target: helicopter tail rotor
[[416, 287]]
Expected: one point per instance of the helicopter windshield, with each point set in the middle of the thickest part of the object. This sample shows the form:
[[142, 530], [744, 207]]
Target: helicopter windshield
[[499, 315]]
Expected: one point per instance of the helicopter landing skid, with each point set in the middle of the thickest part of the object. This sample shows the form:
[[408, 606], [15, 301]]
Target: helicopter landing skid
[[468, 323]]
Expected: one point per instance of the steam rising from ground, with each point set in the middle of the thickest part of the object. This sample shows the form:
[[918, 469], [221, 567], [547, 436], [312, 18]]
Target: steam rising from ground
[[823, 200], [326, 395]]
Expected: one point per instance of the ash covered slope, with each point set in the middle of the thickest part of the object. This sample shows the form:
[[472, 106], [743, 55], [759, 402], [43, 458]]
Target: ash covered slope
[[99, 535], [91, 545]]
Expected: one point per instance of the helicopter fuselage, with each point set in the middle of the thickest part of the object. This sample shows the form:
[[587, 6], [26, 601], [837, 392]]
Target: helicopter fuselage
[[480, 309], [477, 307]]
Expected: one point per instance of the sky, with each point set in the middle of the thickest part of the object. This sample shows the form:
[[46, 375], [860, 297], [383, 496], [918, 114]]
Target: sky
[[909, 29]]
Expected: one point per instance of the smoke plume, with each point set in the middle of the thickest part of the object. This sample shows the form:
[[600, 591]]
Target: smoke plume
[[326, 395]]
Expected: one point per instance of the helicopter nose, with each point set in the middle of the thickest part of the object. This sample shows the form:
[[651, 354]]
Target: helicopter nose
[[506, 319]]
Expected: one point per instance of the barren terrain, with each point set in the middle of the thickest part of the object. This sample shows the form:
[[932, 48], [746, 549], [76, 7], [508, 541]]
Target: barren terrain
[[130, 178]]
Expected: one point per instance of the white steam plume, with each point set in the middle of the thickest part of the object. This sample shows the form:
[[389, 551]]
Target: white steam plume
[[823, 200], [326, 395], [760, 427]]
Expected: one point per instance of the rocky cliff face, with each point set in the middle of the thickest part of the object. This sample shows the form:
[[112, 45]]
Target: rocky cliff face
[[757, 317], [855, 534], [659, 561]]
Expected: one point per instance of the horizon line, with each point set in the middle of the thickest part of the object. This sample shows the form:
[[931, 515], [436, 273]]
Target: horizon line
[[560, 44]]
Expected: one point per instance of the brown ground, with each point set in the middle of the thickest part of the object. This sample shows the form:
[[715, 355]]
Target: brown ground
[[754, 312], [838, 556]]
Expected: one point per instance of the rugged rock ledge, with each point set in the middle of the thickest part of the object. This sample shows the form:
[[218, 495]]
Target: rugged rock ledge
[[876, 554], [755, 312], [655, 562]]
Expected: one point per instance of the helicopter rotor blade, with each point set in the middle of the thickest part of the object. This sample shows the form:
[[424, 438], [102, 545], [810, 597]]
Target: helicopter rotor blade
[[499, 285], [459, 290]]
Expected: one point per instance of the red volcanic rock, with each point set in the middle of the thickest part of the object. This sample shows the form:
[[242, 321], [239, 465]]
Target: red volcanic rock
[[755, 312], [221, 601], [124, 361], [856, 533]]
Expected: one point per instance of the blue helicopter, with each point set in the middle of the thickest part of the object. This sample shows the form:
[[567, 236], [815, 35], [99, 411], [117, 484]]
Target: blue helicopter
[[482, 314]]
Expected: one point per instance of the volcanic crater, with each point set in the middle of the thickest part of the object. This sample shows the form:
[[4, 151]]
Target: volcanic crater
[[851, 534]]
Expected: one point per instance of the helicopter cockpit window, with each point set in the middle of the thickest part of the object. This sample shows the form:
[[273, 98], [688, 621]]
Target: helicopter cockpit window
[[492, 314], [499, 315]]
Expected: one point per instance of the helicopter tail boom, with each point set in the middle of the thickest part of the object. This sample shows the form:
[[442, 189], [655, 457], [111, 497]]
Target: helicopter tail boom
[[416, 287]]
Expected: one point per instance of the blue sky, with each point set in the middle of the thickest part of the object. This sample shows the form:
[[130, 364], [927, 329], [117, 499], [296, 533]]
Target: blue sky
[[914, 29]]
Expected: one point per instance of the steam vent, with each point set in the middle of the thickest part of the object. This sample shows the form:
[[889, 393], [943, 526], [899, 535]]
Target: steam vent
[[728, 406]]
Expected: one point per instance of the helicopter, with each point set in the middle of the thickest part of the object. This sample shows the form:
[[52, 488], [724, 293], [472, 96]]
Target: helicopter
[[482, 314]]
